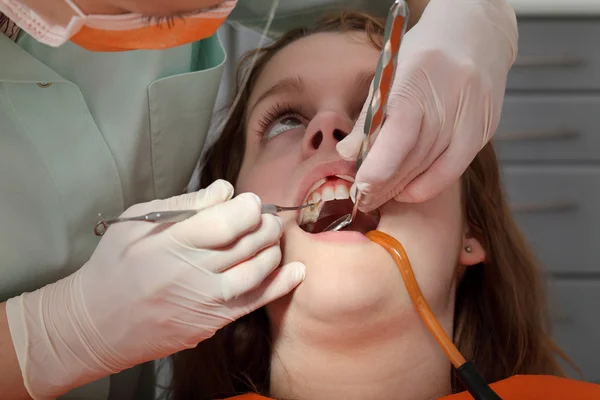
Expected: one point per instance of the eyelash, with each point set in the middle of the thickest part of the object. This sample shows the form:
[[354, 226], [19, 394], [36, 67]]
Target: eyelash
[[159, 20], [169, 20], [275, 114]]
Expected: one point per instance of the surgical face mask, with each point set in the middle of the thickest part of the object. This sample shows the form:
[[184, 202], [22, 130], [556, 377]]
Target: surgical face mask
[[118, 32]]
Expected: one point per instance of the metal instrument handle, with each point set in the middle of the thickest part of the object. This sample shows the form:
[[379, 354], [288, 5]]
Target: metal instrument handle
[[181, 215], [269, 209], [395, 29], [168, 216]]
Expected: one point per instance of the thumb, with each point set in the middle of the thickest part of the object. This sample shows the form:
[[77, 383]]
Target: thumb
[[217, 192], [380, 172], [349, 147], [278, 284]]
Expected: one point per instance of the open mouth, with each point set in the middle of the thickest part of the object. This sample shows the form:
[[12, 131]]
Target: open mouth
[[333, 197]]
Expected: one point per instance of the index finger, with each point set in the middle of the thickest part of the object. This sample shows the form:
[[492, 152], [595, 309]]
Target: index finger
[[396, 139], [221, 224]]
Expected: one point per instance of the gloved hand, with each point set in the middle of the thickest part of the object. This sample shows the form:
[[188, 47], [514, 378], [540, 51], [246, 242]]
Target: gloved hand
[[445, 103], [151, 290]]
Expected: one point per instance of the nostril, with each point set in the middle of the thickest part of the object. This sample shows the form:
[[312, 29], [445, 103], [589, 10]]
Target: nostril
[[317, 139], [339, 135]]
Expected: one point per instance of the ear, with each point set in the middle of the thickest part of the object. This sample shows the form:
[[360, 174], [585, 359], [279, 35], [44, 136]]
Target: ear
[[472, 251]]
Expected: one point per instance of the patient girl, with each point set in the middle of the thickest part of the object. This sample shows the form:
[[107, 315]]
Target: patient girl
[[350, 331]]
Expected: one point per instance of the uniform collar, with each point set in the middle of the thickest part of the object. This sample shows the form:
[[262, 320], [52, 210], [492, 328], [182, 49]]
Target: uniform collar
[[19, 66]]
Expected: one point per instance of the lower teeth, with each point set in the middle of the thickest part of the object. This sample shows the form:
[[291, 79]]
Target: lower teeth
[[325, 213], [362, 223]]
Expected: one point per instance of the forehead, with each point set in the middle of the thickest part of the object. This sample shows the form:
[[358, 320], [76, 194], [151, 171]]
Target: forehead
[[323, 57]]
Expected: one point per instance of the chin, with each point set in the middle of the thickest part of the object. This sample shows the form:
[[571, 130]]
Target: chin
[[345, 298], [345, 282]]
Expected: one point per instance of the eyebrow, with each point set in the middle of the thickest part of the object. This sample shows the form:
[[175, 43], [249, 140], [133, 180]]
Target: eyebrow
[[363, 85], [286, 85], [296, 85]]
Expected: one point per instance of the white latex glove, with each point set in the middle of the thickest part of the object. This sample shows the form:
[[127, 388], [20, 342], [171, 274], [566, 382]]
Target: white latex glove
[[151, 290], [445, 103]]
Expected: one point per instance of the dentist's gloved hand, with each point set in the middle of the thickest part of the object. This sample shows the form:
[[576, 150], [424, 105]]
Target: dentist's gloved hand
[[151, 290], [445, 102]]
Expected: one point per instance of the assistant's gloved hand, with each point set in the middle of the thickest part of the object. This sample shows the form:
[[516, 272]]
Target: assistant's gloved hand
[[151, 290], [445, 102]]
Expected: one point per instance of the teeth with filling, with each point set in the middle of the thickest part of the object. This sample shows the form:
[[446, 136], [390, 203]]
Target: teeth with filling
[[321, 192]]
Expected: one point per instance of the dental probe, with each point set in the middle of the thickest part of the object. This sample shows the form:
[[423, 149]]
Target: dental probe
[[395, 29], [160, 217], [466, 370]]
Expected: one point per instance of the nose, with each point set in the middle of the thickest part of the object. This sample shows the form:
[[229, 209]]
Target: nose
[[325, 131]]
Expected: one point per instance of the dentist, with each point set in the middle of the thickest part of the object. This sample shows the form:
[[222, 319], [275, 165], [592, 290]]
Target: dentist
[[104, 107]]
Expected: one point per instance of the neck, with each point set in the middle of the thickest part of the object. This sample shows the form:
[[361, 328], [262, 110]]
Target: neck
[[396, 362]]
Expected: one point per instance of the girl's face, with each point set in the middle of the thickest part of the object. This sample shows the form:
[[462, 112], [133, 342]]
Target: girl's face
[[304, 102]]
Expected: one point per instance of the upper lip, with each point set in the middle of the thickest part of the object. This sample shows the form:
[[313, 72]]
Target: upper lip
[[321, 171]]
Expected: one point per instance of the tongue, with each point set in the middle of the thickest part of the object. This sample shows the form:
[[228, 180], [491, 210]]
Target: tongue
[[331, 211]]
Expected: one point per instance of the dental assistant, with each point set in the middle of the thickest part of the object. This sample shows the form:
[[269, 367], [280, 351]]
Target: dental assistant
[[104, 110]]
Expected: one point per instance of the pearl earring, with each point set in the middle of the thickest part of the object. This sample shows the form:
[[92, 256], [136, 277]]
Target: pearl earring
[[468, 249]]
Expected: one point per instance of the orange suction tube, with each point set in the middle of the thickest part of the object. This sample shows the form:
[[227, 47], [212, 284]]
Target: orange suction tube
[[466, 371], [399, 255]]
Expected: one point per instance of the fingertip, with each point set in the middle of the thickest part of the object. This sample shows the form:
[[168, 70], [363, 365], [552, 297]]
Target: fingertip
[[366, 199], [183, 202], [370, 198], [423, 188], [344, 153], [366, 208], [251, 198], [221, 189], [404, 195], [279, 221], [369, 205], [364, 187], [298, 271], [349, 147], [413, 194], [277, 285], [353, 190], [253, 207]]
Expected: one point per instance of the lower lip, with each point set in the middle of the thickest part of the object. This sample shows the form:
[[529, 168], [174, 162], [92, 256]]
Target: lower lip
[[340, 237]]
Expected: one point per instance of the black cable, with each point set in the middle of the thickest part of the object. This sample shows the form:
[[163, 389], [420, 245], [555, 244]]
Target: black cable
[[475, 384]]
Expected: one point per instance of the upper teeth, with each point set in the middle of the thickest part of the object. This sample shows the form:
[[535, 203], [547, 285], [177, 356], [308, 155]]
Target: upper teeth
[[313, 190], [339, 191]]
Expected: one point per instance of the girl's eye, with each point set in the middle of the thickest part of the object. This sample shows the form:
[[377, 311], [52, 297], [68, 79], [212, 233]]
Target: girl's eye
[[283, 125]]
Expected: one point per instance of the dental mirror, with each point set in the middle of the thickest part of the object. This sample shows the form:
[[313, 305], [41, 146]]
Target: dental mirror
[[345, 220]]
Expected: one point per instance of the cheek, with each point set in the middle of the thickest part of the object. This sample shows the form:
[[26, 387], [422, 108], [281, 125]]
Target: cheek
[[432, 235], [434, 224], [266, 178]]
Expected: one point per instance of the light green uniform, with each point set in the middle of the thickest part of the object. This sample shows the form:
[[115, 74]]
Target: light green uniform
[[83, 133]]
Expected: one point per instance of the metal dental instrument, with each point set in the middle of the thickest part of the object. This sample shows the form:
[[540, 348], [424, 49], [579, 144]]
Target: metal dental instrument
[[395, 29], [161, 217]]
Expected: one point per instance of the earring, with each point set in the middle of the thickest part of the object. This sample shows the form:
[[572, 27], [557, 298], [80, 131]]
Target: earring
[[468, 249]]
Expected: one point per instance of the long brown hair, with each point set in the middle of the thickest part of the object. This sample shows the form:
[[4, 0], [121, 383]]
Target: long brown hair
[[500, 317]]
